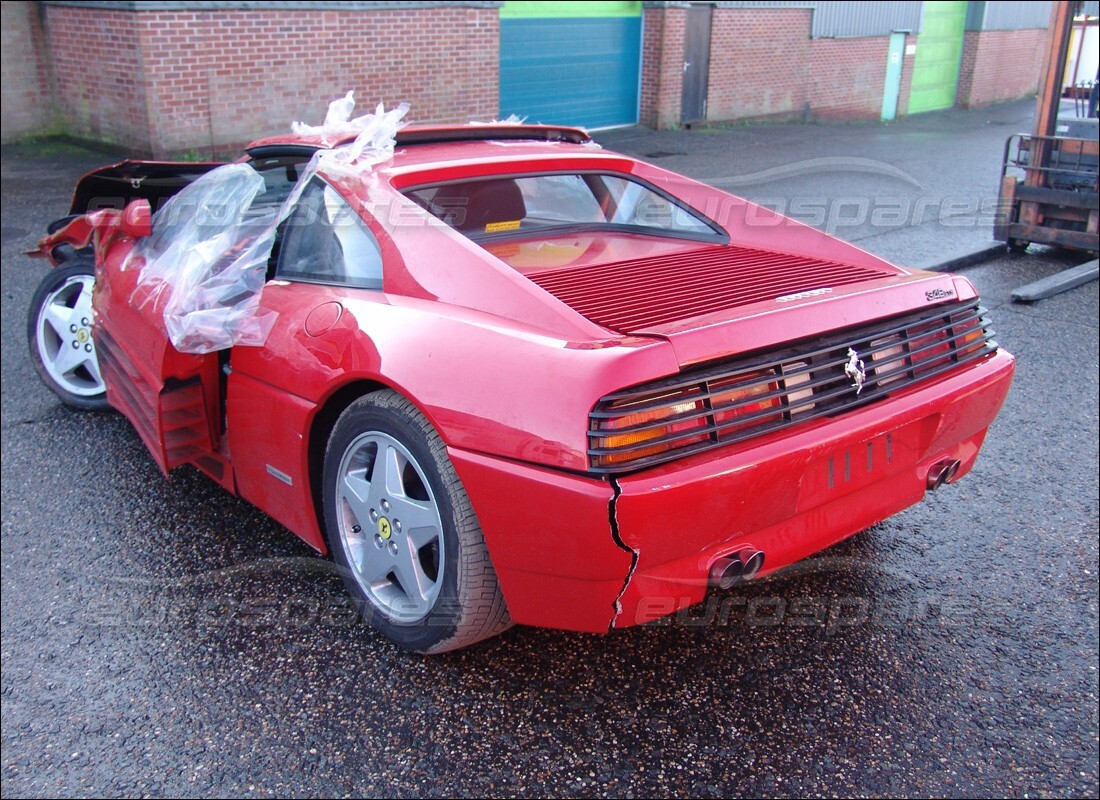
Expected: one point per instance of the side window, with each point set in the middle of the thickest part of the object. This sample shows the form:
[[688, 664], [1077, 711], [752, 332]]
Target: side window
[[325, 241]]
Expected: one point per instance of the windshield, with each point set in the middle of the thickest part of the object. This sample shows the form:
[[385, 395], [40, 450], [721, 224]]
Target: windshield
[[495, 208]]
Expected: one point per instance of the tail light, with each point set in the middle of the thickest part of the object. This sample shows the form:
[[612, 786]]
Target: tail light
[[638, 430]]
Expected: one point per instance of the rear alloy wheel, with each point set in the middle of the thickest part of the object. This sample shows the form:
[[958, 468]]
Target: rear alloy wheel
[[402, 530], [59, 332]]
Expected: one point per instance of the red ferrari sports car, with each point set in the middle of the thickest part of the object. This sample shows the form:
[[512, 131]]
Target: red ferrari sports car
[[505, 376]]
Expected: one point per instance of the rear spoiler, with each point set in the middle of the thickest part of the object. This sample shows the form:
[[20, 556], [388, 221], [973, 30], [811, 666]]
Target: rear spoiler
[[428, 134]]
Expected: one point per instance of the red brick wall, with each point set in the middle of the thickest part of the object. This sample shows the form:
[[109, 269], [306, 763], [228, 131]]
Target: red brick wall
[[97, 70], [164, 82], [847, 77], [759, 63], [1000, 65], [662, 66], [181, 80], [27, 95], [763, 63]]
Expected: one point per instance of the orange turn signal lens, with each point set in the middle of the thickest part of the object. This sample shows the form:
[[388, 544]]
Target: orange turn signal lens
[[638, 427]]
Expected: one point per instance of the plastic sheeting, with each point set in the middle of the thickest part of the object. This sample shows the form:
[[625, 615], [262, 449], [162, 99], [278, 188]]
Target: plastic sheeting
[[374, 132], [374, 142], [207, 260]]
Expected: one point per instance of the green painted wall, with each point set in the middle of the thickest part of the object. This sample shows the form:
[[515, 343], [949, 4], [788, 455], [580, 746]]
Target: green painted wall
[[527, 9], [939, 53]]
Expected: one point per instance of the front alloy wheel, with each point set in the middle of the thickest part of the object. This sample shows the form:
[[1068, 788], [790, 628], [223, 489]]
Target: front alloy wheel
[[59, 332]]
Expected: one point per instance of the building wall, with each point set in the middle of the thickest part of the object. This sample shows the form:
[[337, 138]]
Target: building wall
[[759, 63], [662, 66], [847, 19], [156, 79], [764, 64], [25, 82], [168, 81], [1000, 65], [848, 77], [98, 73]]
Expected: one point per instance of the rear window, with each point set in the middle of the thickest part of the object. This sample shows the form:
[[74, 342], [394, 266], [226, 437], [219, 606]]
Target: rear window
[[496, 208]]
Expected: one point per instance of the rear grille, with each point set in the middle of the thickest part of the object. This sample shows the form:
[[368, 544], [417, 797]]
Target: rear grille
[[730, 401], [633, 295]]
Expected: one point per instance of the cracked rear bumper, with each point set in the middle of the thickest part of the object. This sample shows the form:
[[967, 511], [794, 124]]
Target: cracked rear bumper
[[550, 534]]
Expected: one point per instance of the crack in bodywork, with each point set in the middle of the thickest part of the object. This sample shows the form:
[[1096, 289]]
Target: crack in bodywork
[[611, 513]]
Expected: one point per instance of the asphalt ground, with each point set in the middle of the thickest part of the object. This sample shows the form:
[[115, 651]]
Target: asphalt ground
[[160, 637]]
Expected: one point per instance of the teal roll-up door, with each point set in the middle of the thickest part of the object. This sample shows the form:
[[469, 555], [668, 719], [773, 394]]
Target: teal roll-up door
[[571, 63]]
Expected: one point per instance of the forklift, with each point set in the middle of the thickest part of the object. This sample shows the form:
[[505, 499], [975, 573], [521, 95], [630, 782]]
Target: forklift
[[1049, 190]]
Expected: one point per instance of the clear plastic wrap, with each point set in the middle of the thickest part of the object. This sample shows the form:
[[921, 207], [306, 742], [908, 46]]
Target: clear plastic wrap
[[371, 130], [206, 262], [374, 141]]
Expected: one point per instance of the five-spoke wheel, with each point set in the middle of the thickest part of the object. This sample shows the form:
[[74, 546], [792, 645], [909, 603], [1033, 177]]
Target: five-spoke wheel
[[389, 526], [59, 331], [403, 532]]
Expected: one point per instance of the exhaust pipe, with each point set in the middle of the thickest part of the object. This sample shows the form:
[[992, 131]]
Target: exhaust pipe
[[943, 472], [728, 571]]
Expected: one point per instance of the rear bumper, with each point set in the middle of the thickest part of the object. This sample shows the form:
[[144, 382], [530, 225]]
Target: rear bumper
[[571, 553]]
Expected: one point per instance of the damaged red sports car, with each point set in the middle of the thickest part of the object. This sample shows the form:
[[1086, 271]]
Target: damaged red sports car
[[503, 375]]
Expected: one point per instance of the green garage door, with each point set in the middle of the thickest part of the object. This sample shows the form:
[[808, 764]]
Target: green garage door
[[571, 63], [939, 52]]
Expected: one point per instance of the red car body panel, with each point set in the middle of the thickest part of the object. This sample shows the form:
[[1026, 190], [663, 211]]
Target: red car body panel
[[777, 496], [773, 495], [507, 373]]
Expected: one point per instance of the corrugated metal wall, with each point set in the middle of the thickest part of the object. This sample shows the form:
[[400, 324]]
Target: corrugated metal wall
[[865, 19], [1007, 16], [843, 18], [847, 18]]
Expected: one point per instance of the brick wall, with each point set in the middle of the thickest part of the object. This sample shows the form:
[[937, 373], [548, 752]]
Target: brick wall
[[165, 82], [662, 66], [25, 82], [1000, 65], [765, 65], [759, 63], [99, 83], [171, 81], [847, 77]]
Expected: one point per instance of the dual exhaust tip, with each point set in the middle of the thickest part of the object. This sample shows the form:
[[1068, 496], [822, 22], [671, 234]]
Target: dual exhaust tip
[[728, 571], [943, 472]]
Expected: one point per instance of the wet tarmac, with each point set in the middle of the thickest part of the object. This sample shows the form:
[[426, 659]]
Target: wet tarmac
[[160, 637]]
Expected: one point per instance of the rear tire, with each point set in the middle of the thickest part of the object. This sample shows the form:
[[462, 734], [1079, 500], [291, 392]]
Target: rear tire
[[403, 532], [59, 333]]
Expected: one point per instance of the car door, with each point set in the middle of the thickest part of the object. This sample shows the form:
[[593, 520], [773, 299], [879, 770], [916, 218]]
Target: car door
[[175, 400], [327, 262]]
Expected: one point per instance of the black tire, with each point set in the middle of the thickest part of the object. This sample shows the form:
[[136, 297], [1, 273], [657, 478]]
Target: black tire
[[1018, 245], [427, 583], [59, 333]]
